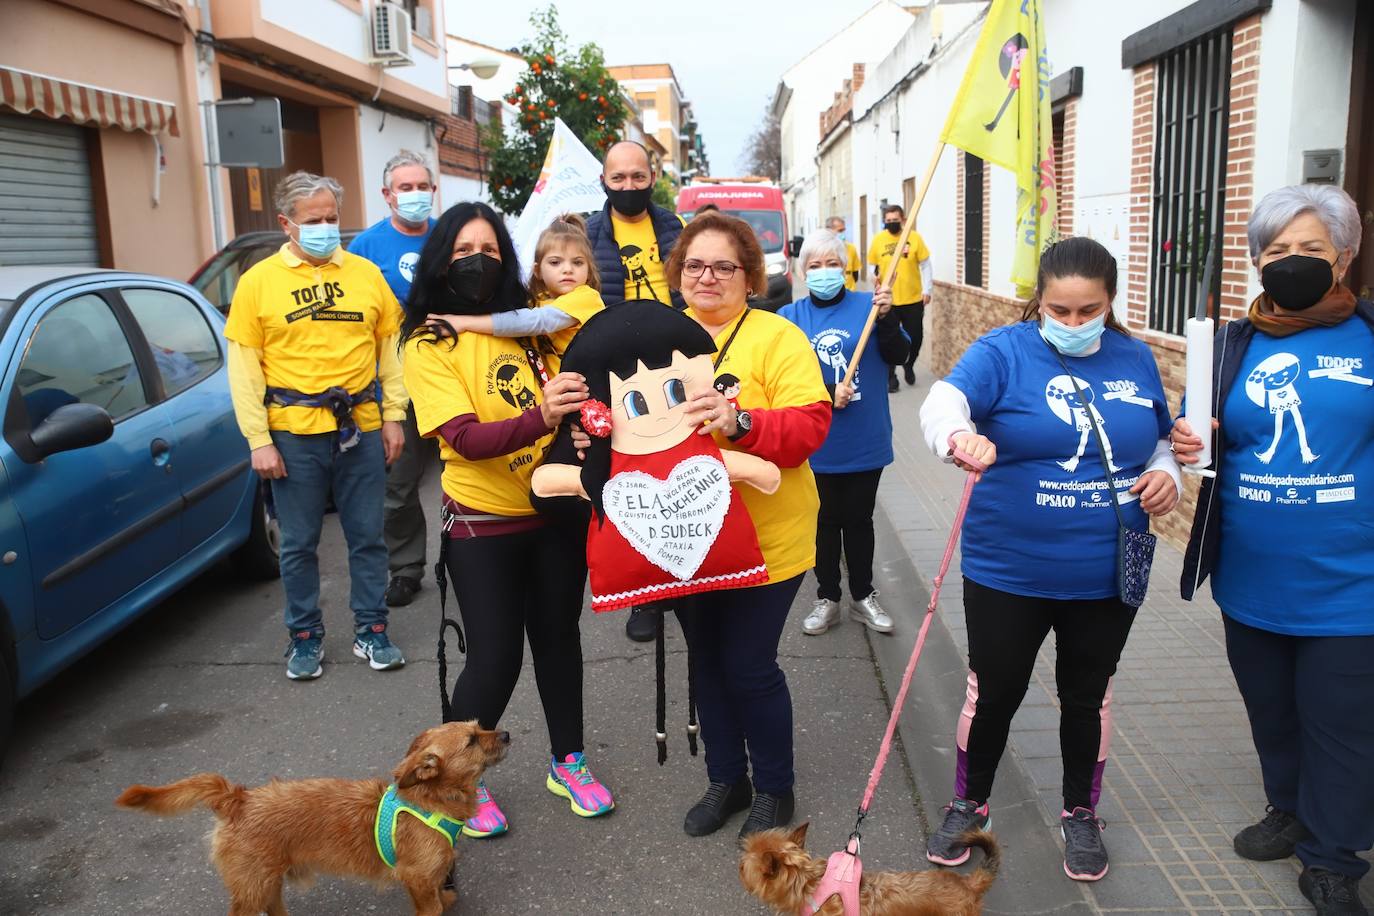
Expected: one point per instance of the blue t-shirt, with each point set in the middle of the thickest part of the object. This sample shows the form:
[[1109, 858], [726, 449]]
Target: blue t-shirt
[[395, 253], [1041, 522], [1297, 543], [860, 437]]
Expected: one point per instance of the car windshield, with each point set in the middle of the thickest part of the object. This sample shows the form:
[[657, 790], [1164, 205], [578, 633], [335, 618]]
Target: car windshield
[[219, 278], [767, 226]]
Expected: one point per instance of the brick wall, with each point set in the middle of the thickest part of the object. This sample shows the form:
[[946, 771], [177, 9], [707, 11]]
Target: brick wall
[[959, 315], [1065, 155], [460, 151]]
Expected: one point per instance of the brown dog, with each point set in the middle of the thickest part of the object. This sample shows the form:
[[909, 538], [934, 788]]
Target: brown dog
[[294, 829], [777, 869]]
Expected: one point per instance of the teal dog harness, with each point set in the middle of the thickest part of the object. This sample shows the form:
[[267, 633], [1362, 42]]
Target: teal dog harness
[[390, 808]]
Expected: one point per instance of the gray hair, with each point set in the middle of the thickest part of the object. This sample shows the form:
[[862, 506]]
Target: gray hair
[[404, 157], [300, 185], [820, 243], [1327, 202], [835, 219]]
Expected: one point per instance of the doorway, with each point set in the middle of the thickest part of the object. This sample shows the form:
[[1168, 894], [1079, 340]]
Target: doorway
[[1359, 166]]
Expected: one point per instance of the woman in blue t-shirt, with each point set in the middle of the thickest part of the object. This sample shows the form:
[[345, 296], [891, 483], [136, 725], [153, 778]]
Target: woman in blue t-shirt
[[1040, 539], [859, 444], [1285, 533]]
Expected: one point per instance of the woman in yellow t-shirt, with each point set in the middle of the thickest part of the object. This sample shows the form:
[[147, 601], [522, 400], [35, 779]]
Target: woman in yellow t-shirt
[[493, 406], [769, 400]]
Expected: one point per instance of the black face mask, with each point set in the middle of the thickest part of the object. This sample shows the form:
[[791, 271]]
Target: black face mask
[[474, 281], [1297, 282], [894, 228], [629, 201]]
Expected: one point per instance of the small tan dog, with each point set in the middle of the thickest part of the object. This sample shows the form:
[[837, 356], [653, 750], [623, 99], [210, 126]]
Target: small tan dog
[[777, 869], [294, 829]]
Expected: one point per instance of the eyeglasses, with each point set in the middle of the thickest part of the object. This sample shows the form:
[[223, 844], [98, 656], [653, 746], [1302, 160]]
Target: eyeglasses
[[721, 270]]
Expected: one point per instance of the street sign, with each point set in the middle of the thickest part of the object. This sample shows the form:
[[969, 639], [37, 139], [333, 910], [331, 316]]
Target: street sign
[[249, 133]]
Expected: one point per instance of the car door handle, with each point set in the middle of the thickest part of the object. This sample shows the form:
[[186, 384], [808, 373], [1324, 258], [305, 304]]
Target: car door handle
[[161, 450]]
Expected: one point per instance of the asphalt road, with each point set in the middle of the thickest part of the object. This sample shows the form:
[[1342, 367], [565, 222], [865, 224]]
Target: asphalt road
[[199, 684]]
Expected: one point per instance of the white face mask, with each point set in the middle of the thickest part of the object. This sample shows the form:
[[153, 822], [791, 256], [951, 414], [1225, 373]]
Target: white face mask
[[414, 206], [1073, 341]]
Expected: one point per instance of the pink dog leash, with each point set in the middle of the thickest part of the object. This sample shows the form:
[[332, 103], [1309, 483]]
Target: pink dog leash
[[844, 870]]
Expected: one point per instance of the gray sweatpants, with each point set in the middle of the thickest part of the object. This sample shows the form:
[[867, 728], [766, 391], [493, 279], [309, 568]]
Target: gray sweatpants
[[405, 519]]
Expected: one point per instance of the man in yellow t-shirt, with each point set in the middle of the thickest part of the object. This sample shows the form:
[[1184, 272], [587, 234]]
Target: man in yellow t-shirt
[[910, 287], [315, 377], [853, 264]]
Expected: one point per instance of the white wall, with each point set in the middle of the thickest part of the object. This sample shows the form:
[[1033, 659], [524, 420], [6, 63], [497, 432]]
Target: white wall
[[454, 189], [381, 139]]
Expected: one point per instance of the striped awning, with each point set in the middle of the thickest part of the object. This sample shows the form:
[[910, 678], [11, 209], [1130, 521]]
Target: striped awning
[[32, 92]]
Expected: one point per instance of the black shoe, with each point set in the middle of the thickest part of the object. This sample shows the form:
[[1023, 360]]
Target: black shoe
[[1272, 838], [401, 591], [911, 375], [1332, 893], [720, 801], [893, 386], [1085, 856], [767, 812], [643, 623]]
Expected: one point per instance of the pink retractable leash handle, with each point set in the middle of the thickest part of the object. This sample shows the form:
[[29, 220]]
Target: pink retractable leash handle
[[877, 774]]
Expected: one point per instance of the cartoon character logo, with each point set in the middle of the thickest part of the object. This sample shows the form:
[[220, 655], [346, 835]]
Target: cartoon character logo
[[407, 265], [728, 385], [1065, 403], [635, 260], [513, 389], [1272, 384]]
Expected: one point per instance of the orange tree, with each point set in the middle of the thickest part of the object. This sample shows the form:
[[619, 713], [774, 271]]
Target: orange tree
[[557, 82]]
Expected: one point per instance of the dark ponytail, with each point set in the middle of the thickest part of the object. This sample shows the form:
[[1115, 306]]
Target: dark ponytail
[[1076, 256]]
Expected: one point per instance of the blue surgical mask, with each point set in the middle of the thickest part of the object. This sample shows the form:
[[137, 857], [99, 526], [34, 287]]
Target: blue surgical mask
[[1072, 341], [414, 206], [843, 234], [825, 282], [318, 239]]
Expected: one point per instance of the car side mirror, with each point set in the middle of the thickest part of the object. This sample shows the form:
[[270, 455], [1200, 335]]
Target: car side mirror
[[70, 427]]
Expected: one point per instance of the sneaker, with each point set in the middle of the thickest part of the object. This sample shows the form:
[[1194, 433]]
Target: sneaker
[[401, 591], [721, 800], [1085, 857], [371, 643], [767, 812], [643, 623], [910, 375], [1332, 893], [893, 386], [1275, 837], [489, 820], [824, 615], [572, 780], [304, 655], [961, 816], [871, 614]]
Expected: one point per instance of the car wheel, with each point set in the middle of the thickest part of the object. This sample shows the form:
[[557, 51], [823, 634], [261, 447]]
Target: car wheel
[[6, 704], [259, 557]]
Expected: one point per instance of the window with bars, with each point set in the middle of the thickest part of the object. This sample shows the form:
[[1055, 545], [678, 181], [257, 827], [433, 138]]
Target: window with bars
[[1192, 112], [973, 220]]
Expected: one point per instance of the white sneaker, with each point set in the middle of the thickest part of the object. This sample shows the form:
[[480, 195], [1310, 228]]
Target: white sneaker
[[871, 614], [824, 615]]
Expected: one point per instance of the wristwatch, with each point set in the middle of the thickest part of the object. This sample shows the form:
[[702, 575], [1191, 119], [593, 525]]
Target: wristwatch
[[744, 423]]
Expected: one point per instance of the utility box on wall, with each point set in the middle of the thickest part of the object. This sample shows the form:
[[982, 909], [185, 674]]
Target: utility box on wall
[[1321, 166]]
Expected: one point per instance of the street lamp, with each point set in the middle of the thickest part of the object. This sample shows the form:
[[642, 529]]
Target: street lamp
[[482, 69]]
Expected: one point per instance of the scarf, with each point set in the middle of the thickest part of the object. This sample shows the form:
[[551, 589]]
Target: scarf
[[1336, 306]]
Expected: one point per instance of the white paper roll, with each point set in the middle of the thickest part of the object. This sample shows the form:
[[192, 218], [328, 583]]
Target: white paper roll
[[1198, 335]]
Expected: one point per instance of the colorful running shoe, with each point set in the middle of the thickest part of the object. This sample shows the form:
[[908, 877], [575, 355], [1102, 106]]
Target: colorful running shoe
[[489, 820], [961, 816], [1085, 855], [572, 780]]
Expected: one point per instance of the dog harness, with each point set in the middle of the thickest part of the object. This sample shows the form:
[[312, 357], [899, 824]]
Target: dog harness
[[390, 808], [842, 875]]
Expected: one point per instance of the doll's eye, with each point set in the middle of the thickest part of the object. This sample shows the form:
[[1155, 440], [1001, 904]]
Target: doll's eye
[[636, 405], [675, 391]]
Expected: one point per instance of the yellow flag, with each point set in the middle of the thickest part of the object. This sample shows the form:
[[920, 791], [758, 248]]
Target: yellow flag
[[1002, 115]]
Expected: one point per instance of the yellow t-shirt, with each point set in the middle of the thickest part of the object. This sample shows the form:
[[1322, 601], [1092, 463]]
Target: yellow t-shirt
[[852, 268], [581, 304], [906, 286], [644, 276], [487, 376], [282, 306], [774, 366]]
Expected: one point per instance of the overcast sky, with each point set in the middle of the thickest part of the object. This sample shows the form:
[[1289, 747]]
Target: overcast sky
[[727, 54]]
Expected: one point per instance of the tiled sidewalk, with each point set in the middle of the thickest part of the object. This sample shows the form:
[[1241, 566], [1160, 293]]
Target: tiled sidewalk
[[1182, 777]]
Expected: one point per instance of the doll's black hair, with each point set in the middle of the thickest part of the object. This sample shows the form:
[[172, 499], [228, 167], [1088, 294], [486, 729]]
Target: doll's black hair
[[618, 340]]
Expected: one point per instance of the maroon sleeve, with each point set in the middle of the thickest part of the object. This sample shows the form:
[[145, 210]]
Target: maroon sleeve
[[475, 440], [787, 436]]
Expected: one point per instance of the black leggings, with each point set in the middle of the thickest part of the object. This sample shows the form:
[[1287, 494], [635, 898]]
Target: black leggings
[[1004, 636], [845, 522], [912, 318], [513, 586]]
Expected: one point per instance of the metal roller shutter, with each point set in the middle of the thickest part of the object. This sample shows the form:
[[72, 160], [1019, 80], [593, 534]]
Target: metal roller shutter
[[47, 209]]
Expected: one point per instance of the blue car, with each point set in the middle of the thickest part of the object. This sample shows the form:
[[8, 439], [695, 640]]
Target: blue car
[[122, 470]]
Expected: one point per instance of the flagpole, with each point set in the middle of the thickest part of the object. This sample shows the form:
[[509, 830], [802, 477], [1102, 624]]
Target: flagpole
[[891, 271]]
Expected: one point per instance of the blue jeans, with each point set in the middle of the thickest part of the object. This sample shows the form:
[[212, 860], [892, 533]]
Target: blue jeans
[[357, 479]]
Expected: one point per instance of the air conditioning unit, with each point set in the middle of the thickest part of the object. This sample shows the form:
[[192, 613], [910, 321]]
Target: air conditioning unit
[[390, 35]]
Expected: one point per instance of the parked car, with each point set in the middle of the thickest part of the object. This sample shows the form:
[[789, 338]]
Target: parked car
[[122, 470], [217, 277], [759, 203]]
